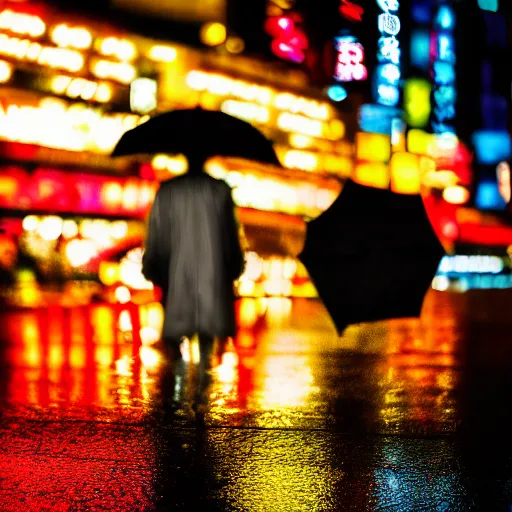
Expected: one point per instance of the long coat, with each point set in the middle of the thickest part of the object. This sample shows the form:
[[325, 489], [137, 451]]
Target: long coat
[[193, 253]]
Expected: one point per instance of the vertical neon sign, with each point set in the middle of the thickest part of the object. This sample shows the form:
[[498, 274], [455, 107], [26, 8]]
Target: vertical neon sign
[[350, 53], [388, 72], [444, 95]]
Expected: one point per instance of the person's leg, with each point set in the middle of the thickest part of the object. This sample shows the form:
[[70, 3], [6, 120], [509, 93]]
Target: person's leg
[[173, 375], [206, 346]]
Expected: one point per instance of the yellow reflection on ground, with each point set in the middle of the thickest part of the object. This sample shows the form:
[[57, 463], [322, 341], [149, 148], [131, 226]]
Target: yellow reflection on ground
[[287, 382], [273, 468]]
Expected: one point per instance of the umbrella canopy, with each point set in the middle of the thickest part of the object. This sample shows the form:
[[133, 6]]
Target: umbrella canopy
[[192, 131], [372, 255]]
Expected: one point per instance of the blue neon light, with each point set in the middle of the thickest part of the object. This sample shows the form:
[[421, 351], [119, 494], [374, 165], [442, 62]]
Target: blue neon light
[[337, 93], [398, 129], [387, 76], [488, 5], [420, 49], [492, 147], [388, 73], [445, 18], [377, 118], [444, 73], [446, 48], [442, 128], [488, 196], [388, 95], [445, 114]]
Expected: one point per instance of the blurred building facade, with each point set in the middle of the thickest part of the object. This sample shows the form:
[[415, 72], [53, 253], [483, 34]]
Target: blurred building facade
[[71, 85], [367, 95]]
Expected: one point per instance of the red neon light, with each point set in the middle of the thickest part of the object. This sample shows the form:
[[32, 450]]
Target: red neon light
[[289, 41], [284, 50], [351, 11], [350, 62], [279, 26]]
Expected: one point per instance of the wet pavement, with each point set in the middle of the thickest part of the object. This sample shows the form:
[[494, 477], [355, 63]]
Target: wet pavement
[[405, 415]]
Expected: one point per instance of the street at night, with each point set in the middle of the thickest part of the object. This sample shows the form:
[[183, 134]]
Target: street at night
[[255, 256], [403, 415]]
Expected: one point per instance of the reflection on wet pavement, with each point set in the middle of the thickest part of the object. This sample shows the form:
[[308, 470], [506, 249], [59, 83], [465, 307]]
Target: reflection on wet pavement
[[296, 418], [286, 368]]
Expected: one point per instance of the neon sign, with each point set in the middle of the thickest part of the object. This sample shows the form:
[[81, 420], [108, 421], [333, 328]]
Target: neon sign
[[388, 73], [443, 72], [290, 41], [349, 63], [351, 11], [350, 53]]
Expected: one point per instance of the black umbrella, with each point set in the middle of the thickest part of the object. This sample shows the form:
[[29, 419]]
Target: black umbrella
[[372, 255], [191, 131]]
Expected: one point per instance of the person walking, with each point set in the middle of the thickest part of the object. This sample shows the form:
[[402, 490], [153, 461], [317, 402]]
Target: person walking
[[193, 253]]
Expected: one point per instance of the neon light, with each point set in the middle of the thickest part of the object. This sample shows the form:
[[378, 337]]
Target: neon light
[[26, 50], [389, 50], [445, 18], [337, 93], [377, 118], [388, 95], [390, 72], [504, 179], [21, 23], [286, 51], [488, 5], [289, 40], [389, 24], [420, 49], [351, 11], [349, 64], [417, 102], [488, 196], [388, 5], [492, 147], [446, 48], [387, 76], [443, 72], [462, 264], [278, 26], [83, 129]]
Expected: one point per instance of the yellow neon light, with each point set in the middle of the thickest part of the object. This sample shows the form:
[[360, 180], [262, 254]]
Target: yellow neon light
[[81, 88], [25, 50], [75, 127], [118, 71], [405, 173], [121, 49], [21, 23], [162, 53], [247, 111], [71, 37], [372, 174], [373, 147]]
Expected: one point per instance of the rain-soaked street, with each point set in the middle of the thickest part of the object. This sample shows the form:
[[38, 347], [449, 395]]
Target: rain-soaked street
[[401, 415]]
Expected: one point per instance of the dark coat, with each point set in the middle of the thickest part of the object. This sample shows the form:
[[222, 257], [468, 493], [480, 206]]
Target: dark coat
[[193, 253]]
